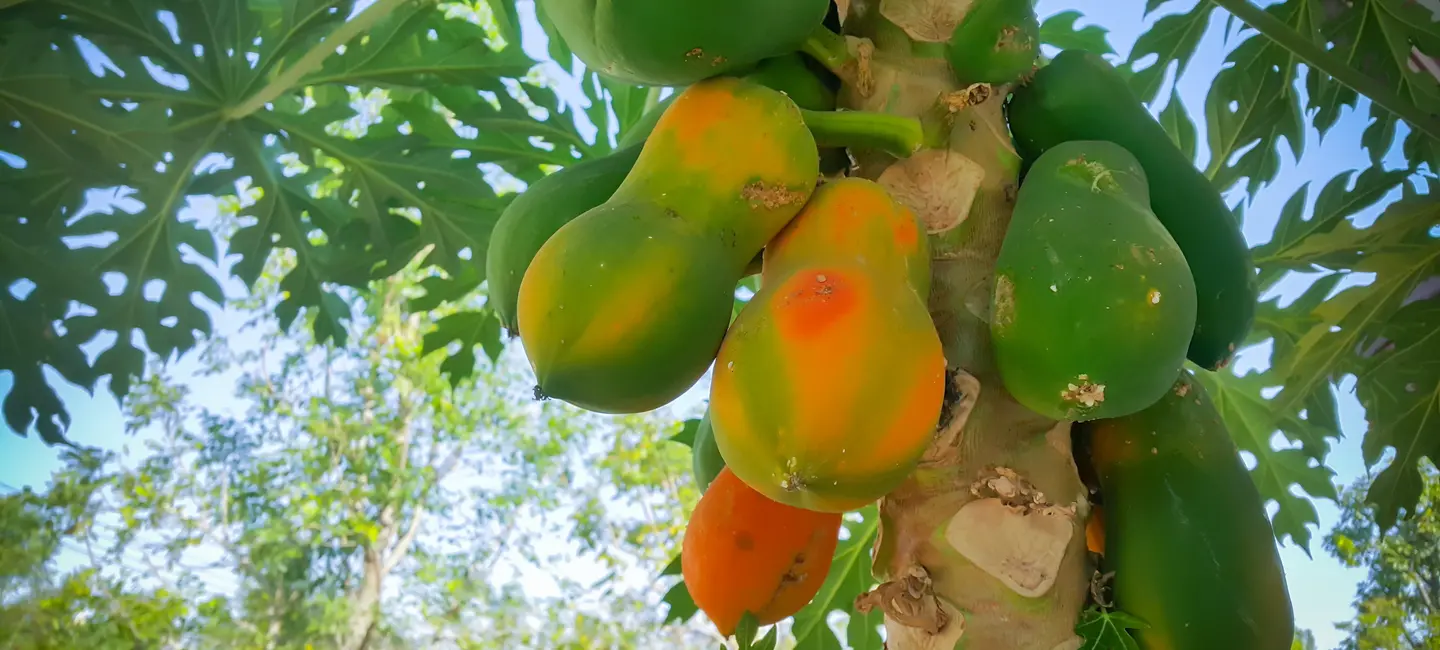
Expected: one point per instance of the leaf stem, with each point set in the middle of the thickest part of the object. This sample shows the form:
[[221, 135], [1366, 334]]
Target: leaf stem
[[1323, 61], [895, 135], [829, 49], [311, 60]]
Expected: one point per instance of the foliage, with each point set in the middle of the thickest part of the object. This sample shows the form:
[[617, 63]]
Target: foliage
[[351, 493], [1398, 602], [1107, 630], [354, 162]]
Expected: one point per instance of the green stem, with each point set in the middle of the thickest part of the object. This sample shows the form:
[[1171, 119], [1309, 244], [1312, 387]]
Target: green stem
[[1323, 61], [829, 49], [652, 98], [311, 60], [895, 135]]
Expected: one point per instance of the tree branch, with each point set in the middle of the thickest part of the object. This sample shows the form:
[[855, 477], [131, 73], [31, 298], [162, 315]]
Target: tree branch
[[403, 545], [1323, 61]]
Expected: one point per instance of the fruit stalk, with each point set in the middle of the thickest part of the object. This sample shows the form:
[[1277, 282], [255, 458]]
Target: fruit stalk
[[895, 135], [998, 487]]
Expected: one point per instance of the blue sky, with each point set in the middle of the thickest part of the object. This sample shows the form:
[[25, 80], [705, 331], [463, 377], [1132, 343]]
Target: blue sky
[[1321, 589]]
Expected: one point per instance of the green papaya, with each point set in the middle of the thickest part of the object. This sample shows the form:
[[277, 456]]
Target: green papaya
[[1186, 532], [664, 43], [1080, 96], [996, 42], [705, 458], [1094, 303], [624, 308], [536, 214]]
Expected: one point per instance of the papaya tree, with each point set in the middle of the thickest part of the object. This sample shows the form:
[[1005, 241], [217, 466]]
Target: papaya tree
[[966, 294]]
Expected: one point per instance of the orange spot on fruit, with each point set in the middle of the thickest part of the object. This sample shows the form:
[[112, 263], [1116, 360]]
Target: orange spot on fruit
[[811, 301]]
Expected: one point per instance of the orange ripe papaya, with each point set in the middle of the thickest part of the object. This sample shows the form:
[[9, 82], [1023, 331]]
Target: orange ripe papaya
[[743, 552], [624, 308], [830, 382]]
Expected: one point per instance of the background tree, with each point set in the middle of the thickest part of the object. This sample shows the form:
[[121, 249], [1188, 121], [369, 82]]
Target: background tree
[[1398, 603], [368, 136], [357, 500]]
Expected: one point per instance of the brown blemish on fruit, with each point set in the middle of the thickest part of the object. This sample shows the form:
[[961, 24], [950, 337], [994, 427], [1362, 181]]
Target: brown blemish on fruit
[[744, 541], [695, 53], [1182, 389], [1085, 393], [717, 61], [1004, 301], [771, 196]]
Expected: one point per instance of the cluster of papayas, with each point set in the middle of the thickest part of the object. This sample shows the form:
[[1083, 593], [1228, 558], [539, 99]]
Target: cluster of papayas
[[1080, 96], [619, 276], [1121, 260], [1184, 530]]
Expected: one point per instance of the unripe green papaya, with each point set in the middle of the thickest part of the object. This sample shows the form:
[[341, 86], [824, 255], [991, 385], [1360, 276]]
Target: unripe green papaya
[[1094, 304], [1080, 96], [624, 307], [705, 458], [995, 42], [664, 43], [1186, 532]]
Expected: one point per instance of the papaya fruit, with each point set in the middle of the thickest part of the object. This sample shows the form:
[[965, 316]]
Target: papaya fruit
[[1094, 303], [1186, 532], [829, 384], [529, 221], [662, 43], [996, 42], [624, 307], [705, 459], [555, 200], [1080, 96], [743, 552]]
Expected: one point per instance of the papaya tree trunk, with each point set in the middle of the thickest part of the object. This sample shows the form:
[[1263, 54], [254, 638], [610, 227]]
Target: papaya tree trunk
[[984, 544]]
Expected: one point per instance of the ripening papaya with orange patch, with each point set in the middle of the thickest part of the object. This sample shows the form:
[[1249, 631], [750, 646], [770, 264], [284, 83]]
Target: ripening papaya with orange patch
[[830, 382], [744, 552], [624, 307]]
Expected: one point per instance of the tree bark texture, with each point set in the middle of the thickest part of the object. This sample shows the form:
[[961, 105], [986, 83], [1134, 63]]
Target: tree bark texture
[[984, 545]]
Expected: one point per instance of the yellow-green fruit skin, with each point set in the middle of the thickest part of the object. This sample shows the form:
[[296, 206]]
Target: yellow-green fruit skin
[[1186, 532], [624, 308], [829, 384]]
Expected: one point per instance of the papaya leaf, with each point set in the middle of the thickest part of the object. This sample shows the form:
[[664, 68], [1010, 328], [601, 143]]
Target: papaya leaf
[[468, 328], [1178, 125], [1378, 38], [849, 577], [350, 160], [1108, 630], [1253, 103], [1173, 38], [1400, 390], [1059, 31], [682, 605], [686, 436]]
